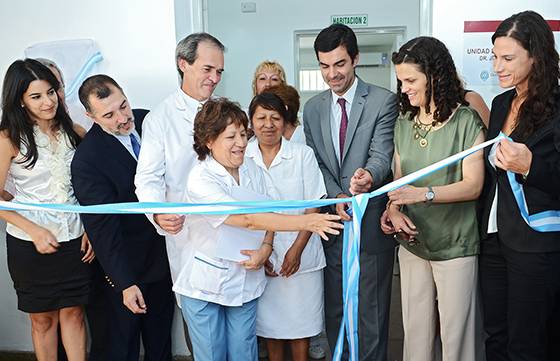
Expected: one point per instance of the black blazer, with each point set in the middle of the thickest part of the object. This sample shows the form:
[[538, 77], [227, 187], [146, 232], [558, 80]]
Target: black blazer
[[127, 246], [542, 187]]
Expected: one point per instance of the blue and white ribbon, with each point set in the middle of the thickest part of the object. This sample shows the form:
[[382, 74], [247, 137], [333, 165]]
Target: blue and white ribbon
[[548, 221]]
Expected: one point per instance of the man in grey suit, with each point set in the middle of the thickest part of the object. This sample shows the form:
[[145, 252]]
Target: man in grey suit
[[350, 128]]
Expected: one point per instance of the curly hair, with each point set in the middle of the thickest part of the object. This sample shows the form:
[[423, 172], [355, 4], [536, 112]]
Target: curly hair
[[443, 84], [212, 120], [533, 33]]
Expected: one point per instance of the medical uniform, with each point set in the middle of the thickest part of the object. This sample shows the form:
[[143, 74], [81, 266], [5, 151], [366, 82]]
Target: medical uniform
[[292, 308], [218, 296], [166, 159]]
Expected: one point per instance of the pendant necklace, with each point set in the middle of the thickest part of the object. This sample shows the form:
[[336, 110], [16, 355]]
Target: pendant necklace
[[421, 131]]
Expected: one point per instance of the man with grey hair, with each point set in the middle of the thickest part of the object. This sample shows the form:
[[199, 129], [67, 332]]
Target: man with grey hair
[[167, 155]]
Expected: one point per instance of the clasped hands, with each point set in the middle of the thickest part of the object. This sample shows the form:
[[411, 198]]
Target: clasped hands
[[171, 223]]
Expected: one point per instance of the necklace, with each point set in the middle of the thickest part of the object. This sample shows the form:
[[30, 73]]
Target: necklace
[[419, 128]]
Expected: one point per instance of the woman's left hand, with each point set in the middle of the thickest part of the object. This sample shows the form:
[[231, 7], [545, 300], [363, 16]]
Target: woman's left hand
[[87, 250], [257, 257], [292, 261], [407, 195], [512, 156]]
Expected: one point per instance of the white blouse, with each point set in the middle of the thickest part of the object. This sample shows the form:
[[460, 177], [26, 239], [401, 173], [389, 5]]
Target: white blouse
[[293, 175], [493, 216], [48, 181], [203, 275]]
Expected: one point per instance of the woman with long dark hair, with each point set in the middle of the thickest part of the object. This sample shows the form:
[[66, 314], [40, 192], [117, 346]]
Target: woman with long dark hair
[[434, 218], [520, 266], [45, 250]]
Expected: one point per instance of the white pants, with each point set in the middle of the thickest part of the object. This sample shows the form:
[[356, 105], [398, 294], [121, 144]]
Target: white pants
[[449, 287]]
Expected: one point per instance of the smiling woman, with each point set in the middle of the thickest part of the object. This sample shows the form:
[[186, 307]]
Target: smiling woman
[[434, 218], [520, 267], [45, 250], [218, 295]]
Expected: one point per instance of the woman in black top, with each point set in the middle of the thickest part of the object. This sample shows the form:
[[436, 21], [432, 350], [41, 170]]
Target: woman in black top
[[519, 266]]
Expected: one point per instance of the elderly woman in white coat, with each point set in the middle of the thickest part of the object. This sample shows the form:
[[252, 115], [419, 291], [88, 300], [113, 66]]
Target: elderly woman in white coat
[[218, 295]]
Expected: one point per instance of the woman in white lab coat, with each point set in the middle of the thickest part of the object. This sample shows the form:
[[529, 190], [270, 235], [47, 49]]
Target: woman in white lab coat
[[219, 295], [297, 260]]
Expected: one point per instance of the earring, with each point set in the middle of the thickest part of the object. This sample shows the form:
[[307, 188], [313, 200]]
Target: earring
[[23, 106]]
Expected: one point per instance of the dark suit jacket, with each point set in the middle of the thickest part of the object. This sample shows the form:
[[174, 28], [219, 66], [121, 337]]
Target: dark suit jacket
[[127, 246], [542, 187], [369, 145]]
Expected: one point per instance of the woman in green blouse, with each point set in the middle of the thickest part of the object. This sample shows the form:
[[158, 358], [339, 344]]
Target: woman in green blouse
[[434, 218]]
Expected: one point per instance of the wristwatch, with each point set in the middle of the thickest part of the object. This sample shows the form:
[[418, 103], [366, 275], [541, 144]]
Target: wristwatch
[[430, 195]]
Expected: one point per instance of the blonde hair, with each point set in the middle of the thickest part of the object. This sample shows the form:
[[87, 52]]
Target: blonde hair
[[268, 65]]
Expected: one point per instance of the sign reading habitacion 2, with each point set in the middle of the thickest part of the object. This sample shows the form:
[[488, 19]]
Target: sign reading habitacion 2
[[350, 20]]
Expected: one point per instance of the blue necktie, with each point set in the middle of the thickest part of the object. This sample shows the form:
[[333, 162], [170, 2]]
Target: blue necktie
[[135, 145]]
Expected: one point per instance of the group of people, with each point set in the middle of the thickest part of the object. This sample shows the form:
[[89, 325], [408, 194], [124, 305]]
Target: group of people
[[457, 228]]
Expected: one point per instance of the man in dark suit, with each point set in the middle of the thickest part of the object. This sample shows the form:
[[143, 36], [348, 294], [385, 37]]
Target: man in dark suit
[[350, 128], [131, 253]]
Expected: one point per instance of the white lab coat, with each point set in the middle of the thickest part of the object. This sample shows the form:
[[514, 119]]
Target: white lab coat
[[166, 159], [203, 275]]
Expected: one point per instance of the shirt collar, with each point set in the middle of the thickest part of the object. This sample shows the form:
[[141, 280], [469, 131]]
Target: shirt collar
[[218, 169], [186, 102], [253, 152], [348, 96]]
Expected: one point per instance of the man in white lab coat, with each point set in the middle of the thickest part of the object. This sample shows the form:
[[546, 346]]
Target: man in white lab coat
[[167, 155]]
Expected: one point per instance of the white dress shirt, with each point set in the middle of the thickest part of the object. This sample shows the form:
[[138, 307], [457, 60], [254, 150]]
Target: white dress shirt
[[166, 159], [336, 113], [293, 175], [126, 142], [203, 275]]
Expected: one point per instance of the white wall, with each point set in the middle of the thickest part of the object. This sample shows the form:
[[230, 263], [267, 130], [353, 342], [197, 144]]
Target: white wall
[[449, 16], [269, 33], [137, 39]]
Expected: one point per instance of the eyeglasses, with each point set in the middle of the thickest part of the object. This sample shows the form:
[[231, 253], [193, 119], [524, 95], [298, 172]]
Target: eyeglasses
[[405, 237]]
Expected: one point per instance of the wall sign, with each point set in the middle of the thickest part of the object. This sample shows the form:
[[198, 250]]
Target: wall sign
[[350, 20]]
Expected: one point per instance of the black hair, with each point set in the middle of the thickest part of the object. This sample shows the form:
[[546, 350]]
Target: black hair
[[97, 85], [15, 119], [334, 36], [268, 101]]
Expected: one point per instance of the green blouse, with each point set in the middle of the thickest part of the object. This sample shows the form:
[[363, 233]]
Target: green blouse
[[445, 230]]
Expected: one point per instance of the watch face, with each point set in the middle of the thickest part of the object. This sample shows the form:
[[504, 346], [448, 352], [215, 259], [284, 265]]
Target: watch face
[[430, 195]]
